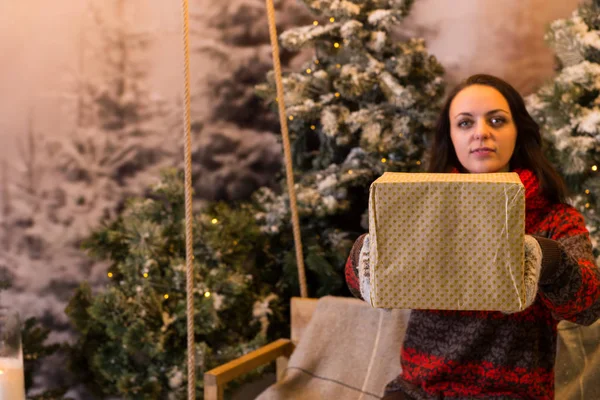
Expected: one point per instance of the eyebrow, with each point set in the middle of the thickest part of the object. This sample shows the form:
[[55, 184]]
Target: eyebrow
[[487, 113]]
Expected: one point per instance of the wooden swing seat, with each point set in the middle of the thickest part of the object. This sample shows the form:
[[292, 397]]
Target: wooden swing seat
[[215, 380]]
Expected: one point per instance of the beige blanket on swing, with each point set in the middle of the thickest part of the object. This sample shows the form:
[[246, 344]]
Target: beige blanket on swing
[[348, 351], [351, 351]]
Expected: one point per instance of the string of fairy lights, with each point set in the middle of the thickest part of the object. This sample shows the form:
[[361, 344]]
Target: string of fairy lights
[[587, 191], [166, 296]]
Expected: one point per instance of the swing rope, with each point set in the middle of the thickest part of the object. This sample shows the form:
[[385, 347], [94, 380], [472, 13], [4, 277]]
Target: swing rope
[[189, 251], [191, 362], [286, 148]]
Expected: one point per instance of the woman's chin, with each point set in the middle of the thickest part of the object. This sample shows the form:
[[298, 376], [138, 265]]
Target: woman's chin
[[486, 169]]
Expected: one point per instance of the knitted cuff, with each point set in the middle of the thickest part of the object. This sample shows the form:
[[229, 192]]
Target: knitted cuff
[[364, 272], [550, 261]]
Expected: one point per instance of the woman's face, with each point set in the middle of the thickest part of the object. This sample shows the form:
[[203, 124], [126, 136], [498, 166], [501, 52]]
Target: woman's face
[[482, 129]]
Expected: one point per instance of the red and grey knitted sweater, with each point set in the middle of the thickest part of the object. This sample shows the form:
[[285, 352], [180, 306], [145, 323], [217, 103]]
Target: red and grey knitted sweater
[[492, 355]]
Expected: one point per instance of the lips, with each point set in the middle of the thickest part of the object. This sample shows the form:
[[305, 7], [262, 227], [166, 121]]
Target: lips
[[483, 150]]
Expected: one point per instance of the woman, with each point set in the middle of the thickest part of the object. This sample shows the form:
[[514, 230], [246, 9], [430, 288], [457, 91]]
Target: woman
[[484, 127]]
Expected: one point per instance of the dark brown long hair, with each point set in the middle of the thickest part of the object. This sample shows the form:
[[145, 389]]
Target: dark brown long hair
[[528, 152]]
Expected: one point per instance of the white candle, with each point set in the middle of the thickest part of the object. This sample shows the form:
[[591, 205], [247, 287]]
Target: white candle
[[12, 381]]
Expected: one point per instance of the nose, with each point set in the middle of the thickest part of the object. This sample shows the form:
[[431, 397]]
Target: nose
[[482, 131]]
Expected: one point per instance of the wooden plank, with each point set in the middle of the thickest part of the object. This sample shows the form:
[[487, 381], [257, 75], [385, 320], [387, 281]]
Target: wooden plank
[[212, 391], [248, 362], [302, 310], [281, 365]]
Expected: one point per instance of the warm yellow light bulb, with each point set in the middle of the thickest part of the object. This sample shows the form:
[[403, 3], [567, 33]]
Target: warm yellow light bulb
[[587, 191], [418, 162], [337, 94], [317, 62], [587, 205], [350, 172], [338, 66], [336, 45], [384, 160], [594, 168], [313, 127], [331, 19], [145, 274], [215, 221], [166, 296], [315, 23], [110, 274], [207, 294], [291, 117], [308, 70]]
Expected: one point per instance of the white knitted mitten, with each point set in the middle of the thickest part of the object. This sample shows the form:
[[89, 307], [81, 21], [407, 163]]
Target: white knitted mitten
[[533, 267]]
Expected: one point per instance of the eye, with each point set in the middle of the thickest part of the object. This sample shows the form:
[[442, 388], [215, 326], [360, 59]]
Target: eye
[[497, 121], [465, 123]]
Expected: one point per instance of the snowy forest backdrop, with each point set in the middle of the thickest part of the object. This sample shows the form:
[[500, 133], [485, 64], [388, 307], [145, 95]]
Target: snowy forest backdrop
[[90, 111]]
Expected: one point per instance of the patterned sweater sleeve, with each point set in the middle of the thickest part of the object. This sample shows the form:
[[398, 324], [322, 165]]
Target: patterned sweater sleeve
[[570, 280], [357, 268]]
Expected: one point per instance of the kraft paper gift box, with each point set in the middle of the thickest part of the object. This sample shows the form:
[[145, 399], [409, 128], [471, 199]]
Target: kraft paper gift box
[[447, 241]]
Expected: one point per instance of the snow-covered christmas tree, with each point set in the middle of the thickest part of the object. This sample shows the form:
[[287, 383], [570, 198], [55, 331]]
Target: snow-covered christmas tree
[[23, 255], [568, 109], [62, 188], [235, 145], [115, 150], [133, 333], [122, 141], [364, 104]]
